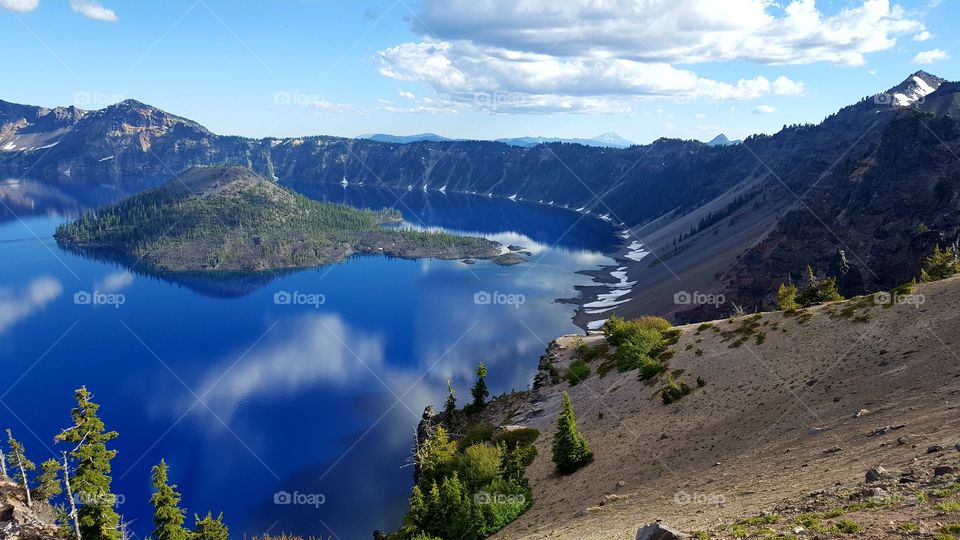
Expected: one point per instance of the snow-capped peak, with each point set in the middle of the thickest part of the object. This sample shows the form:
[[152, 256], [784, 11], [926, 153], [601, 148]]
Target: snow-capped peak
[[913, 90]]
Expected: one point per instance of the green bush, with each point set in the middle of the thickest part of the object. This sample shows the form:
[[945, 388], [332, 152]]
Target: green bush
[[480, 464], [577, 372], [516, 437], [674, 391], [476, 433], [636, 348]]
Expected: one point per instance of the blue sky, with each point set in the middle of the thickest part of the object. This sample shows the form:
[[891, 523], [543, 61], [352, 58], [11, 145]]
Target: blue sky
[[472, 68]]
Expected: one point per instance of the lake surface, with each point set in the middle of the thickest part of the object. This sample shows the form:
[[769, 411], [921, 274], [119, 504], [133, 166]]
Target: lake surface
[[307, 383]]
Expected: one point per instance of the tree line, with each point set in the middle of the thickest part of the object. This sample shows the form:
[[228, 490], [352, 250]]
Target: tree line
[[77, 484]]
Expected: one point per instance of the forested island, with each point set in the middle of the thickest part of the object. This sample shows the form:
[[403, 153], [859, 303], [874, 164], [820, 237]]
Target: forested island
[[228, 218]]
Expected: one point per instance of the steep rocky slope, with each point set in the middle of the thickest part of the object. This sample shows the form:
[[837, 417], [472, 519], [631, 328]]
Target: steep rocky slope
[[790, 406]]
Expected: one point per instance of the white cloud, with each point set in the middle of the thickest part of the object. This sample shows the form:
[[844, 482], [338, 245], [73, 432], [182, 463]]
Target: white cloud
[[783, 86], [19, 6], [922, 36], [19, 304], [764, 109], [93, 10], [929, 57], [406, 95], [585, 55], [674, 31], [501, 80]]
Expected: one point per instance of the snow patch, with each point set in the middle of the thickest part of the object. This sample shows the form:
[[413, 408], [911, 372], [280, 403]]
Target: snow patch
[[637, 251]]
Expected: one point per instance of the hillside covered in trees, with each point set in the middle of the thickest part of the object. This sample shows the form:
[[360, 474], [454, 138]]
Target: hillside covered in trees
[[229, 218]]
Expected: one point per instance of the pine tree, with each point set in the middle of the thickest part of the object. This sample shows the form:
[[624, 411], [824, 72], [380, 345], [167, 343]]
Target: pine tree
[[451, 400], [167, 515], [20, 464], [570, 449], [479, 391], [417, 514], [209, 528], [48, 484], [787, 297], [91, 483], [942, 264]]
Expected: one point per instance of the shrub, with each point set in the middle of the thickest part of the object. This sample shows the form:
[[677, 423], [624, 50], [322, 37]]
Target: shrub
[[516, 437], [847, 526], [577, 372], [674, 391], [619, 330], [476, 433], [636, 348], [480, 464]]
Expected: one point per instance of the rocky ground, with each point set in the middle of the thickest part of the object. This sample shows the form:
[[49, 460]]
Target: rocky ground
[[793, 412], [17, 521]]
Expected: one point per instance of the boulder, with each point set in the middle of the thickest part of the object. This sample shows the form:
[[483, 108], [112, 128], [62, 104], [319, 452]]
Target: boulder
[[942, 470], [874, 475], [658, 531], [934, 449]]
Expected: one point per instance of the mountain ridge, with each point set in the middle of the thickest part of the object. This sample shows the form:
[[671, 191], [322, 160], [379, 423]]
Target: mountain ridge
[[672, 195]]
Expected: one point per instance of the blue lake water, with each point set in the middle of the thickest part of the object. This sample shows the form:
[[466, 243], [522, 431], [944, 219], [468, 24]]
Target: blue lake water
[[307, 383]]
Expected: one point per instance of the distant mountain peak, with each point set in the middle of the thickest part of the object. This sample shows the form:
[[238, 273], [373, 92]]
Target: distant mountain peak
[[914, 89], [722, 140]]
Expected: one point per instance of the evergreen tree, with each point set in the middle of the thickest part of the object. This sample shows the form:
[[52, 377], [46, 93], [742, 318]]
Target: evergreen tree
[[818, 290], [451, 400], [209, 528], [91, 483], [20, 464], [417, 514], [570, 449], [787, 297], [942, 264], [479, 391], [49, 485], [167, 514], [436, 455]]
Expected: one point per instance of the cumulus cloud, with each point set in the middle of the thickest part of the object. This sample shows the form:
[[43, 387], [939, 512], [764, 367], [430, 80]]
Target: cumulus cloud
[[922, 36], [19, 6], [583, 55], [93, 10], [674, 31], [763, 109], [929, 57]]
